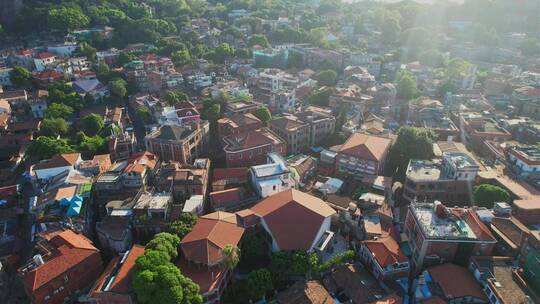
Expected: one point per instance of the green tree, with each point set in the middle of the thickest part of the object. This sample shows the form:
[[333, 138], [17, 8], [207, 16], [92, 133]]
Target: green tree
[[433, 58], [184, 225], [446, 87], [92, 124], [62, 93], [181, 57], [530, 47], [118, 88], [259, 283], [58, 110], [231, 256], [19, 76], [54, 127], [220, 53], [390, 29], [486, 195], [174, 97], [456, 68], [45, 147], [67, 18], [165, 242], [87, 50], [406, 86], [258, 40], [92, 145], [327, 78], [144, 114], [211, 111], [253, 249], [165, 284], [320, 97], [411, 143], [263, 114], [151, 259], [295, 60], [125, 58]]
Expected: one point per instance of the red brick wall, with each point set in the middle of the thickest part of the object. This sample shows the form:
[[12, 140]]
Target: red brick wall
[[258, 156], [446, 250]]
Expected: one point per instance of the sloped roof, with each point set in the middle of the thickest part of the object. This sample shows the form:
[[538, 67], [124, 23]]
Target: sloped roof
[[310, 292], [366, 146], [386, 251], [85, 86], [226, 196], [62, 160], [456, 281], [121, 282], [174, 132], [287, 123], [138, 162], [72, 249], [45, 55], [293, 218], [209, 236]]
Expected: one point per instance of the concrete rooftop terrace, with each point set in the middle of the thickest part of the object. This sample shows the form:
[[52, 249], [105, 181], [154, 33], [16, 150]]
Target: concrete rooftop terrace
[[443, 224]]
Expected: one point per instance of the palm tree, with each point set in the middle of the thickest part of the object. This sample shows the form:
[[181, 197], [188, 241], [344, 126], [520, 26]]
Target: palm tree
[[231, 256]]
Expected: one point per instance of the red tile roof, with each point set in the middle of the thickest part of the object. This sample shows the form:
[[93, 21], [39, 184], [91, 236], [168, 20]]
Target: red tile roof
[[209, 236], [48, 74], [45, 55], [366, 146], [62, 160], [72, 249], [228, 173], [24, 52], [208, 278], [138, 162], [456, 281], [386, 251], [293, 218], [122, 278], [219, 198]]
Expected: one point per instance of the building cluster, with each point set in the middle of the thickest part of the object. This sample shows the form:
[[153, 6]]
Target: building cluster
[[248, 148]]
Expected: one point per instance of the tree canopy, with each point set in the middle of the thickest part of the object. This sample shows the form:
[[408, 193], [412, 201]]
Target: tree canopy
[[231, 256], [118, 88], [157, 280], [411, 143], [174, 97], [406, 86], [327, 78], [92, 124], [263, 114], [45, 147], [58, 110], [258, 39], [184, 225], [67, 18], [54, 127], [20, 76], [486, 195], [165, 242], [259, 283]]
